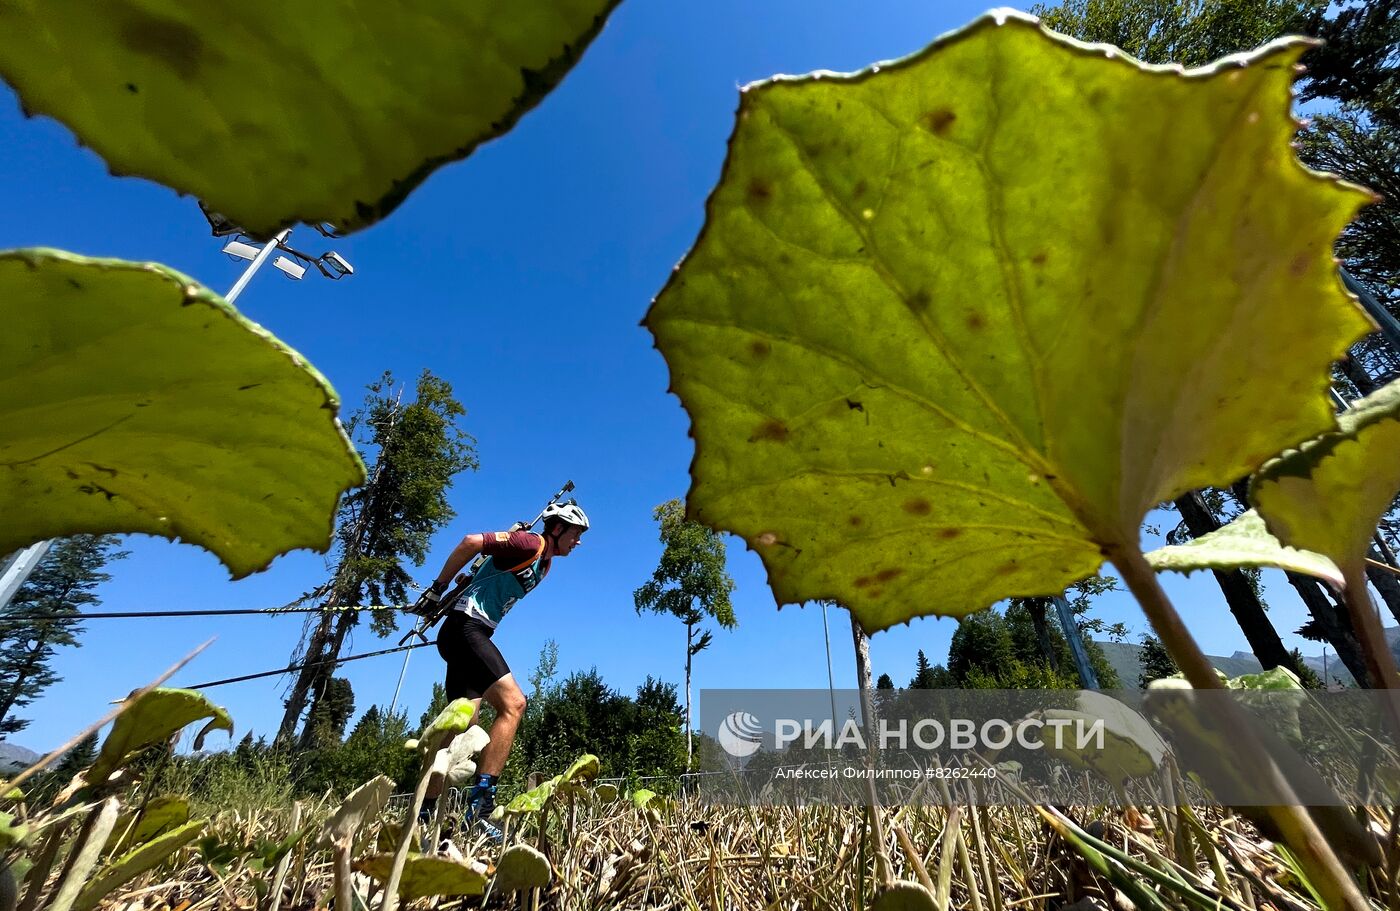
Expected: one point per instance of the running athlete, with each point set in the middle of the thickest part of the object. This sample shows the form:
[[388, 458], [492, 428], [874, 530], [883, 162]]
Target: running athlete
[[516, 562]]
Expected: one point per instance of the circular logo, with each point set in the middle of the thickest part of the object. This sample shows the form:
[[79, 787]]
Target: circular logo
[[741, 735]]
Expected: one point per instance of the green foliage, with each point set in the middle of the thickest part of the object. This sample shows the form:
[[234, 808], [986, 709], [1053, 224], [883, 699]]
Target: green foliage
[[991, 650], [1190, 32], [63, 584], [375, 746], [101, 356], [912, 431], [329, 714], [363, 102], [633, 737], [691, 581], [1156, 663]]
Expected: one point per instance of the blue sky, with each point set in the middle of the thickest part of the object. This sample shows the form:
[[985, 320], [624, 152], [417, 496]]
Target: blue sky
[[535, 258]]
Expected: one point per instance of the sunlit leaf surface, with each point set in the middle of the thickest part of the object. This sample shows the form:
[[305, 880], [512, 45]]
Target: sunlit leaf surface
[[957, 322], [1328, 495], [275, 114], [133, 399]]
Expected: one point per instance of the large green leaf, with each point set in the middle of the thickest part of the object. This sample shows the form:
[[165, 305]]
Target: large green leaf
[[275, 114], [957, 322], [136, 400], [159, 815], [1244, 542], [1328, 495], [425, 876], [522, 867], [154, 718], [134, 863]]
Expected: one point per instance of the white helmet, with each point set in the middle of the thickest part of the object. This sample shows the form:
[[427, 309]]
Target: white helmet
[[565, 512]]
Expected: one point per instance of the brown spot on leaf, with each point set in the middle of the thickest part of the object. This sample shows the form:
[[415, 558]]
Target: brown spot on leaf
[[759, 191], [975, 322], [920, 300], [168, 40], [856, 521], [759, 348], [886, 575], [1299, 267], [1006, 569], [773, 430], [917, 506], [859, 189], [1040, 258], [864, 581], [949, 534], [939, 122]]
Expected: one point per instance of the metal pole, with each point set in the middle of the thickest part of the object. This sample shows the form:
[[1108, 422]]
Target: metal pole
[[1389, 327], [403, 670], [268, 249], [830, 679], [1075, 638], [18, 569]]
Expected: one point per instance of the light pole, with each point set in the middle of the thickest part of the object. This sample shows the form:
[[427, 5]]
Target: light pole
[[15, 568]]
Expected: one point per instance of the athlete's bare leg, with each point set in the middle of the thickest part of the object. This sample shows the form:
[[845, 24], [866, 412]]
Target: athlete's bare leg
[[505, 695]]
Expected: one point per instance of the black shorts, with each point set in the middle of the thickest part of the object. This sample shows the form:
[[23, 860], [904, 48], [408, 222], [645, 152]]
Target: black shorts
[[473, 661]]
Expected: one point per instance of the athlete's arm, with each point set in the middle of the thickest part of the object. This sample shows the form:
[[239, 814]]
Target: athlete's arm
[[461, 555]]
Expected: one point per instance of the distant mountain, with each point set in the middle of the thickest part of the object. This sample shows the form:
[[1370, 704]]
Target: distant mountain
[[15, 758], [1125, 659]]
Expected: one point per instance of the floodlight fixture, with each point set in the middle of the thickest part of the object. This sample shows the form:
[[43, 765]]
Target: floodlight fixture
[[290, 267], [334, 266], [237, 249]]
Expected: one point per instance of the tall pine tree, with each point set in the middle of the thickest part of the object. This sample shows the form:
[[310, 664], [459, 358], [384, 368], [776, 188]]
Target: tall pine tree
[[45, 615], [415, 449]]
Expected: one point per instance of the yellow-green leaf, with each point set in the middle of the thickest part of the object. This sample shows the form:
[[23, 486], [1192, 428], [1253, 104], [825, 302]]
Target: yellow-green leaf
[[522, 867], [531, 801], [135, 862], [955, 323], [584, 768], [425, 876], [1242, 542], [154, 718], [274, 114], [1327, 495], [455, 718], [136, 400], [159, 815]]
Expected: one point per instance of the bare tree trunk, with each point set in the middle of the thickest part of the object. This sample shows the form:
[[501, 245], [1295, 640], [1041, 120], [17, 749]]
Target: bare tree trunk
[[1249, 613], [319, 677], [1037, 608], [301, 689], [689, 735], [1334, 624], [1387, 583]]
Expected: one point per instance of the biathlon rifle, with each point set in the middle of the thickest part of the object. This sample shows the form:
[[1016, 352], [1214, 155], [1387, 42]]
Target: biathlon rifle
[[464, 579]]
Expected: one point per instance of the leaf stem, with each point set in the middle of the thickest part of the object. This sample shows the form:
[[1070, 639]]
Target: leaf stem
[[1299, 829], [1380, 663]]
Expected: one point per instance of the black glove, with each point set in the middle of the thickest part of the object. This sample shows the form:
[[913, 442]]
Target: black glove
[[427, 602]]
